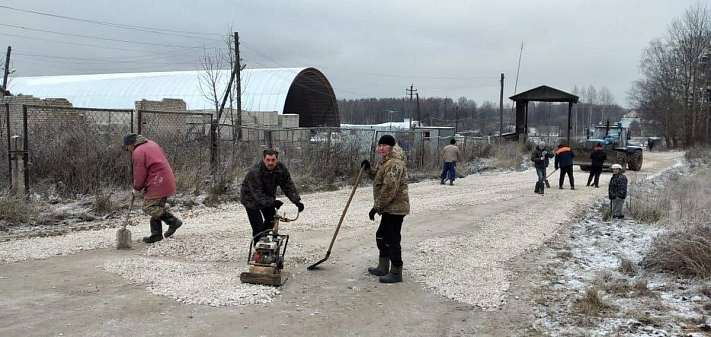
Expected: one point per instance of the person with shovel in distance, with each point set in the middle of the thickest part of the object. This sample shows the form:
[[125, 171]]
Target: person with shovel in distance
[[258, 192], [392, 202], [540, 157], [153, 180]]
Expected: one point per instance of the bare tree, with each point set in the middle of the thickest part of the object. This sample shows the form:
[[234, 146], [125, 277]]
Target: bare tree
[[591, 99], [606, 100], [671, 94]]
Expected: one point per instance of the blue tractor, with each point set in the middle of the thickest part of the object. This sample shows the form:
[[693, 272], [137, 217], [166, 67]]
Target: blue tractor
[[615, 142]]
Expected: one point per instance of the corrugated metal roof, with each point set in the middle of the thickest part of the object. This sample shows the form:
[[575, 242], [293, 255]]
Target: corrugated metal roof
[[263, 89]]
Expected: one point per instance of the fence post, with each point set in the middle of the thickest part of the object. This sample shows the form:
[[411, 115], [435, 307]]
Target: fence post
[[17, 168], [213, 146]]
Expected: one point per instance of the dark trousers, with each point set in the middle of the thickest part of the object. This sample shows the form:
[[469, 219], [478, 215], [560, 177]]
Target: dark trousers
[[388, 238], [448, 171], [261, 220], [569, 171], [594, 173]]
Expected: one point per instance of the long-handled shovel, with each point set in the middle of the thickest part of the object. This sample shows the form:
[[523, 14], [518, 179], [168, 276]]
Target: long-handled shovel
[[343, 215], [548, 185], [123, 235]]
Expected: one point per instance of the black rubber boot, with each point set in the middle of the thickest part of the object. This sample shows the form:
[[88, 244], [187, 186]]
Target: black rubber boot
[[172, 222], [394, 276], [382, 268], [156, 232]]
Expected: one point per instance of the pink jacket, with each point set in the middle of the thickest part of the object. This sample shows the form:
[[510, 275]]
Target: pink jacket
[[151, 170]]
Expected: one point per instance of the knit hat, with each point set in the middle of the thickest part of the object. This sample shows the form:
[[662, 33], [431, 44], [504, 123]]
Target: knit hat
[[387, 140], [129, 139], [541, 143]]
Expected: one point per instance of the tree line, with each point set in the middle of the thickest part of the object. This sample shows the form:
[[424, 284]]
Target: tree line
[[467, 116]]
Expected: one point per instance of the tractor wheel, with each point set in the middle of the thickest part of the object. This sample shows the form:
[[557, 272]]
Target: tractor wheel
[[621, 158], [635, 160], [584, 168]]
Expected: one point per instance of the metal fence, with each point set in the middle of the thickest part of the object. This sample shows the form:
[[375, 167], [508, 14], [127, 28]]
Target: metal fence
[[74, 151], [185, 138]]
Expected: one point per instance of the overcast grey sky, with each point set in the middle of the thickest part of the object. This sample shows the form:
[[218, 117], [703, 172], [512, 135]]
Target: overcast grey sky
[[366, 48]]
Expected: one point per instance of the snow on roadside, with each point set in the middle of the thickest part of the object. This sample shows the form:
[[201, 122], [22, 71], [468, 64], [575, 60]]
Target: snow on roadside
[[591, 254]]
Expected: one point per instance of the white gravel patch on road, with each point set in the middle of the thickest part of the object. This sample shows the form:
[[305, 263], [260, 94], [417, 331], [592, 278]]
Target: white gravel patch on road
[[192, 283]]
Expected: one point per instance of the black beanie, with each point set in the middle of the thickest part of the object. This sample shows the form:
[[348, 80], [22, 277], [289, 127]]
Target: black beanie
[[387, 140], [129, 139]]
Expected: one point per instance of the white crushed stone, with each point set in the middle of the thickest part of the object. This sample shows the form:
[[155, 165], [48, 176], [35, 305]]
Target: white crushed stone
[[192, 283]]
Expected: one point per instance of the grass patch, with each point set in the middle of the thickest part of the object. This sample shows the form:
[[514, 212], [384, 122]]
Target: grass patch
[[16, 210], [627, 267], [591, 304], [686, 252]]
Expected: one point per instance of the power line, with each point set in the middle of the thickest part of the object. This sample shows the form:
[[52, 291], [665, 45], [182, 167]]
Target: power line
[[94, 37], [116, 25]]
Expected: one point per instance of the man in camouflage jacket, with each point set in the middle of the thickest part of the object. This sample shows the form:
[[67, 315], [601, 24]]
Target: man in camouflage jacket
[[392, 202], [258, 192]]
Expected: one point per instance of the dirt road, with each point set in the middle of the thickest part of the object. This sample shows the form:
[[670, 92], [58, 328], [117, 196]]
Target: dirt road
[[470, 250]]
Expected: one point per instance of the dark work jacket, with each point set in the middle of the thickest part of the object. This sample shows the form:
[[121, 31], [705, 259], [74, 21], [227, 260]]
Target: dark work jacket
[[536, 157], [618, 186], [259, 186], [598, 158], [564, 157]]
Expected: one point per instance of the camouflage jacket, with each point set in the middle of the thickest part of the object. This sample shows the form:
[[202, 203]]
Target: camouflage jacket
[[390, 184], [259, 186]]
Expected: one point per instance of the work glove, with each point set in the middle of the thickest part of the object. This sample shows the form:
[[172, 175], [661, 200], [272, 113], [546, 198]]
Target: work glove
[[300, 206], [137, 193], [277, 204], [544, 153], [371, 214], [365, 164]]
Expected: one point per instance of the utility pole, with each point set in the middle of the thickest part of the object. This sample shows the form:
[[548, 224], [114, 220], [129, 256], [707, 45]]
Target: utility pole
[[417, 95], [411, 91], [239, 88], [501, 108], [6, 72], [456, 118]]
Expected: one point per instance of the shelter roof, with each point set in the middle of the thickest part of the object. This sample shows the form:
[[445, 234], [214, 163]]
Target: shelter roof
[[544, 93]]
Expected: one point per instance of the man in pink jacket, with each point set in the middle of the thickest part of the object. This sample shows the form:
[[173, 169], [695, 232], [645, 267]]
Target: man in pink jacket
[[154, 181]]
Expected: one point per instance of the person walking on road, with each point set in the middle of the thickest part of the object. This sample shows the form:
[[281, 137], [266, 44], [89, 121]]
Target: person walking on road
[[450, 156], [650, 143], [540, 158], [617, 191], [392, 202], [564, 160], [598, 157], [258, 192], [153, 180]]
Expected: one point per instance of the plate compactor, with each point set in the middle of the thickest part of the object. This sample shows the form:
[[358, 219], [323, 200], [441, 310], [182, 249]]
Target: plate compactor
[[266, 257]]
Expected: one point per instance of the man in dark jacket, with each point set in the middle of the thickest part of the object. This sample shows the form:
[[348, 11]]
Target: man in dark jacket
[[617, 191], [598, 157], [564, 160], [153, 181], [258, 192], [540, 157]]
